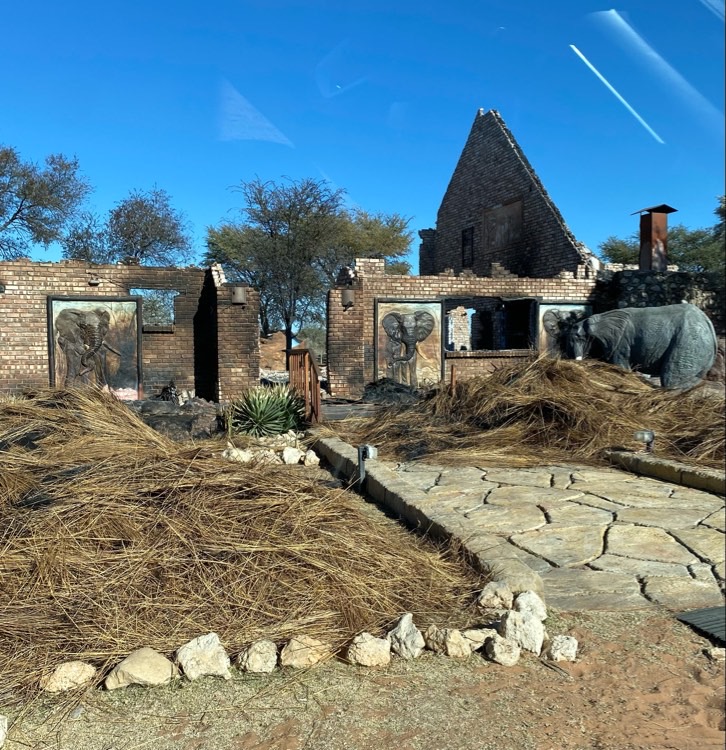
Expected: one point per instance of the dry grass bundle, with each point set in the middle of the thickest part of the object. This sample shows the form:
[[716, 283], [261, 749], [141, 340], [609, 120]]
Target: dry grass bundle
[[546, 411], [113, 537]]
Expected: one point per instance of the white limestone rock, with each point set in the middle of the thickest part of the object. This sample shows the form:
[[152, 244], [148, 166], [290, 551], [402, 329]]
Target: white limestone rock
[[526, 630], [716, 653], [260, 656], [204, 656], [406, 639], [477, 637], [278, 442], [266, 456], [562, 648], [291, 437], [529, 602], [303, 651], [68, 676], [292, 456], [241, 455], [3, 729], [311, 458], [495, 595], [447, 641], [142, 667], [369, 651], [502, 651], [434, 639]]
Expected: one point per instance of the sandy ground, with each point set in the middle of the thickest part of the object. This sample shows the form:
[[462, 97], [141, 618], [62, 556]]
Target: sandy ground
[[642, 681]]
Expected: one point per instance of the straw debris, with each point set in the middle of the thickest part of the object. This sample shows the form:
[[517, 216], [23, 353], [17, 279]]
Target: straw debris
[[546, 411], [113, 537]]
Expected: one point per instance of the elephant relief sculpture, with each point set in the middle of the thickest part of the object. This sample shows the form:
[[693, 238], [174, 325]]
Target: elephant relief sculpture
[[80, 336], [675, 342], [405, 331]]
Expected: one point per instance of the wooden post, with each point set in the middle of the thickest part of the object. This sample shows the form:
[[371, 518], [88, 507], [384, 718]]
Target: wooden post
[[306, 383]]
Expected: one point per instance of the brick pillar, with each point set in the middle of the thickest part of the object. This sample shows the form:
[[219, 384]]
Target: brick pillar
[[346, 340], [238, 342]]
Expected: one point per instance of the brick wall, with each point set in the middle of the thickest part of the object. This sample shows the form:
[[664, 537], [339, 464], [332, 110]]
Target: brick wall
[[188, 354], [351, 332], [495, 191]]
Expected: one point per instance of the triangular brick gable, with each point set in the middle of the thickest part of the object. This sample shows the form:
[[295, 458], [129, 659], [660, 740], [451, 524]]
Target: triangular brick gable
[[495, 192]]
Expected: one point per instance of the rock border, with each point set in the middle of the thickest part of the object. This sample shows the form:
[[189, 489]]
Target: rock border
[[646, 464], [520, 624]]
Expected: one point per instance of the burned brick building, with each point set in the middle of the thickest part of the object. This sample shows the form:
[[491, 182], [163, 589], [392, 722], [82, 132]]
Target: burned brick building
[[72, 322], [500, 263], [496, 210]]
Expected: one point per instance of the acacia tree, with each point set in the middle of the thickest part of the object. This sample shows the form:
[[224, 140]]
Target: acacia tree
[[291, 243], [142, 229], [86, 239], [695, 250], [36, 203]]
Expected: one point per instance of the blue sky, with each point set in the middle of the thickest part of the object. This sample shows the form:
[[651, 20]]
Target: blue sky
[[377, 97]]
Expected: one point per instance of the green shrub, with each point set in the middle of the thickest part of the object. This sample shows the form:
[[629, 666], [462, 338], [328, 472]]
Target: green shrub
[[266, 410]]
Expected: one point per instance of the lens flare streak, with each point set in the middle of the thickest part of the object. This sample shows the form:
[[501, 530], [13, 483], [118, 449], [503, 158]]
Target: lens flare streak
[[633, 41], [615, 93], [716, 7]]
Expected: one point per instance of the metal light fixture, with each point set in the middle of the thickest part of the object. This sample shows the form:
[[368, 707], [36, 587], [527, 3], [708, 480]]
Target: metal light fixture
[[94, 281], [239, 295], [347, 298], [364, 453], [647, 437]]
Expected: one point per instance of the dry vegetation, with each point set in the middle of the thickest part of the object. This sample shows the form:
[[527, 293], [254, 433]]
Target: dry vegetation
[[112, 537], [547, 411]]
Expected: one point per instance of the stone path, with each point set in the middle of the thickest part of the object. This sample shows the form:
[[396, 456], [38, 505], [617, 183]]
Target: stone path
[[598, 538]]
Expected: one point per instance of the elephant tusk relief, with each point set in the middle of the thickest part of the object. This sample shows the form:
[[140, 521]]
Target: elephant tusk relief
[[111, 349]]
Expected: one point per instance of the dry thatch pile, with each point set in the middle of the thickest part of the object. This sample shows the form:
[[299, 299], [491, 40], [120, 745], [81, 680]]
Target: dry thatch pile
[[112, 537], [546, 411]]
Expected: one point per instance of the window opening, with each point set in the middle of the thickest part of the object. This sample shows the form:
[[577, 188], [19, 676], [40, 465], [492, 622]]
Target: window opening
[[157, 307], [490, 324], [516, 325]]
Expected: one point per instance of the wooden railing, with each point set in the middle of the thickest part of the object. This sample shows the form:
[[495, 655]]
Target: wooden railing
[[305, 379]]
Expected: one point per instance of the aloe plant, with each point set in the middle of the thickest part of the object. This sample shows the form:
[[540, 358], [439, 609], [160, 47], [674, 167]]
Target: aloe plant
[[266, 410]]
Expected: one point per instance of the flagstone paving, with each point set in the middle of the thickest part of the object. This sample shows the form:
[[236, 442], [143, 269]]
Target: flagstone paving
[[599, 538]]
